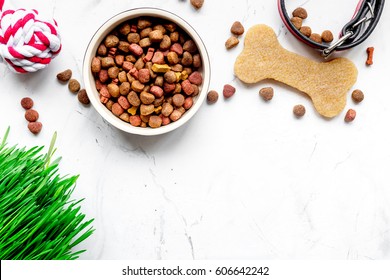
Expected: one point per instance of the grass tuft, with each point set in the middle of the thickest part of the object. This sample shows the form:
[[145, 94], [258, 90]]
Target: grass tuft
[[38, 218]]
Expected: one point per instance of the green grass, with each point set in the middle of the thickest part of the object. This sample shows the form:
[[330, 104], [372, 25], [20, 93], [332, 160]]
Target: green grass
[[38, 218]]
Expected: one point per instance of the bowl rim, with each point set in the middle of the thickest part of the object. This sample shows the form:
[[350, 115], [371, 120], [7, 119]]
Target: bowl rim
[[107, 27]]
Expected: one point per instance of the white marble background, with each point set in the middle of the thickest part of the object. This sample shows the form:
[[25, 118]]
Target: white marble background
[[243, 179]]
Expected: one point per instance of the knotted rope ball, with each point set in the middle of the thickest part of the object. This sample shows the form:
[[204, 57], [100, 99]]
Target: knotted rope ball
[[27, 42]]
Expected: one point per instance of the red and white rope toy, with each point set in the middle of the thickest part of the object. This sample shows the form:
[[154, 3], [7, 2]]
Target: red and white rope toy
[[27, 42]]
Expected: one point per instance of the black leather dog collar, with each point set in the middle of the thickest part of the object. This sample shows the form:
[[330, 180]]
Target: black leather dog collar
[[363, 22]]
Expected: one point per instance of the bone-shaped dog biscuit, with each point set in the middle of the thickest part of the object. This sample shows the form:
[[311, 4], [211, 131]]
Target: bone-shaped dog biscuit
[[326, 83]]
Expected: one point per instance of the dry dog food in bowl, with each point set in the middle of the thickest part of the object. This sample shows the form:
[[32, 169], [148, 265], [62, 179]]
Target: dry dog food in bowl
[[146, 71]]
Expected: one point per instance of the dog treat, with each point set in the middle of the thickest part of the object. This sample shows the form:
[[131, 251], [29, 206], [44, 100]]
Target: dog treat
[[228, 91], [350, 115], [83, 97], [65, 75], [266, 93], [327, 36], [31, 115], [316, 38], [300, 12], [150, 76], [326, 83], [35, 127], [197, 4], [370, 55], [74, 85], [357, 95], [237, 28], [212, 97], [231, 42], [297, 22], [305, 30], [27, 103], [299, 110]]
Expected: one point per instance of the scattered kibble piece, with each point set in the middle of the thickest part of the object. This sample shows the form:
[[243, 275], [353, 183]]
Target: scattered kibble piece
[[370, 55], [267, 93], [297, 22], [197, 4], [299, 110], [300, 12], [212, 97], [237, 28], [316, 38], [350, 115], [83, 97], [357, 95], [74, 85], [327, 36], [305, 30], [31, 115], [228, 91], [27, 103], [231, 42], [65, 75], [35, 127]]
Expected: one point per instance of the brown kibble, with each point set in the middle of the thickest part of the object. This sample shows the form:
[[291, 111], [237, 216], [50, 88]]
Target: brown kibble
[[156, 36], [35, 127], [173, 58], [67, 74], [188, 102], [228, 91], [170, 77], [267, 93], [297, 22], [190, 46], [237, 28], [74, 85], [327, 36], [299, 110], [146, 109], [111, 41], [370, 55], [27, 103], [187, 59], [196, 61], [82, 96], [31, 115], [231, 42], [167, 109], [300, 12], [133, 99], [107, 62], [212, 97], [178, 100], [125, 117], [155, 121], [316, 38], [175, 115], [133, 38], [165, 43], [147, 98], [305, 30], [357, 95], [197, 4], [350, 115]]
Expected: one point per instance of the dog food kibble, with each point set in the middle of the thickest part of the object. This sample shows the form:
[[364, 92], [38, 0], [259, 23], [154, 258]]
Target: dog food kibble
[[357, 95], [237, 28], [370, 55], [148, 76], [27, 103], [228, 91], [35, 127], [327, 36], [83, 97], [350, 115], [197, 4], [31, 115], [267, 93], [74, 85], [305, 30], [231, 42], [297, 22], [65, 75], [316, 38], [212, 97], [299, 110], [300, 12]]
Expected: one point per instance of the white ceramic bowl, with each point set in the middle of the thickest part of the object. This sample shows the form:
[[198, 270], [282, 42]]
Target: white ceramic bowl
[[89, 80]]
